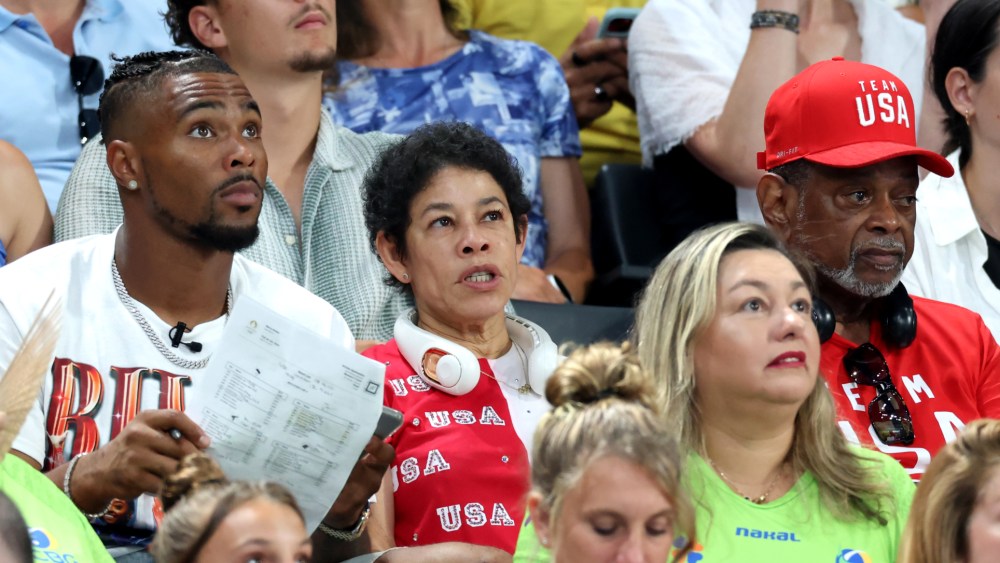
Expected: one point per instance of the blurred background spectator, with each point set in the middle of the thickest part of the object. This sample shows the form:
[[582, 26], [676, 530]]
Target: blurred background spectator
[[54, 57], [702, 77], [956, 256], [405, 64], [567, 29]]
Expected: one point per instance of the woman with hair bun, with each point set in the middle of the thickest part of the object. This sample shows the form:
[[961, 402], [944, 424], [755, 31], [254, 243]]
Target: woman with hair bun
[[211, 519], [606, 472]]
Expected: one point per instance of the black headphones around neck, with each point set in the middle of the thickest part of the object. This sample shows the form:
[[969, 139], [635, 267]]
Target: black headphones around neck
[[896, 315]]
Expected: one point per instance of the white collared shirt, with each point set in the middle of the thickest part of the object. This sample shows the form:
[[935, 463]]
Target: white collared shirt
[[950, 250]]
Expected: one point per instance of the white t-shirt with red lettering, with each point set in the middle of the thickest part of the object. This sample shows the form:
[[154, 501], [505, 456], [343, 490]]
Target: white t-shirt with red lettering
[[461, 471], [948, 377], [106, 369]]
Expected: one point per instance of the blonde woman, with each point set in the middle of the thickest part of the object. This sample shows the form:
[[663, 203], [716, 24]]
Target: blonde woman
[[725, 328], [954, 511], [606, 473]]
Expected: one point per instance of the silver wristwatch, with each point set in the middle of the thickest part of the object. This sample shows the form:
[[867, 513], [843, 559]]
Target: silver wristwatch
[[352, 534]]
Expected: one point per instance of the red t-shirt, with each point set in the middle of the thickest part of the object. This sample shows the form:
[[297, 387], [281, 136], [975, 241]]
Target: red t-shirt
[[461, 472], [948, 377]]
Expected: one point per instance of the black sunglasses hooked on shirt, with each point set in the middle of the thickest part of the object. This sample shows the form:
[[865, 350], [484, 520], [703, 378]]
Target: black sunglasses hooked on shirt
[[87, 76], [887, 412]]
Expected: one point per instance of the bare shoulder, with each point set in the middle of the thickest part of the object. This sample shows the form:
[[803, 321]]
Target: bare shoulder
[[17, 179], [10, 156]]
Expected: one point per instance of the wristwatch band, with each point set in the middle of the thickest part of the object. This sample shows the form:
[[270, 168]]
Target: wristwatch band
[[352, 534], [775, 18]]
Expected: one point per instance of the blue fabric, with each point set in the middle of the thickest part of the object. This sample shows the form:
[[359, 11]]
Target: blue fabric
[[38, 106], [3, 254], [512, 90]]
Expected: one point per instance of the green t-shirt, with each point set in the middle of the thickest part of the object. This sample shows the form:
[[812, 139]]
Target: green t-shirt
[[795, 527], [59, 531]]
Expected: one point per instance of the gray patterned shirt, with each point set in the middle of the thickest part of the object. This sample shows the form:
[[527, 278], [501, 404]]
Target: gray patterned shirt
[[331, 257]]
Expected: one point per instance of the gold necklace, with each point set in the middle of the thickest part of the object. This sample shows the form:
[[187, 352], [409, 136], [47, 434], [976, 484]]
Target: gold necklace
[[523, 389], [735, 487]]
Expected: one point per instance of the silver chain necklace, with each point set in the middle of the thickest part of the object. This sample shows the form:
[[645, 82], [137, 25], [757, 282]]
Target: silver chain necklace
[[130, 304]]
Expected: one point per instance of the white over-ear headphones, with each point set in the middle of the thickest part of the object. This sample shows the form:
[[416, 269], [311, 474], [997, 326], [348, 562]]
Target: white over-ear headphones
[[457, 371]]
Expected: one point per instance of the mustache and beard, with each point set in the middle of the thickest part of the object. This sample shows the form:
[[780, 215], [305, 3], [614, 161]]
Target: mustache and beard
[[318, 60], [211, 232], [847, 276]]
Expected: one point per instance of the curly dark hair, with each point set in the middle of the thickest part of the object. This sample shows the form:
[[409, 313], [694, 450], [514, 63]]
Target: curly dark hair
[[177, 20], [967, 35], [405, 169], [143, 73]]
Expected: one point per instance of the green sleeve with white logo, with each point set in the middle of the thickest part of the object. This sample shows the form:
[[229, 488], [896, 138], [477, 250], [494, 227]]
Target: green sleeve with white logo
[[59, 531]]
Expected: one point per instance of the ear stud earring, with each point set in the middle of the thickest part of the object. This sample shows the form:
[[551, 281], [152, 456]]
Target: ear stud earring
[[133, 185], [406, 276]]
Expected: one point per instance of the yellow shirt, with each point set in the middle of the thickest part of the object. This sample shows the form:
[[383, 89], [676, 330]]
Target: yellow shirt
[[553, 24]]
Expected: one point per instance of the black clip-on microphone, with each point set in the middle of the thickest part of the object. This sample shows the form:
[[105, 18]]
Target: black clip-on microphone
[[177, 332]]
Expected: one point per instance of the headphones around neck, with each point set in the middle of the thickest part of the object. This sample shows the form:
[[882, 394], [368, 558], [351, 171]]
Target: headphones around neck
[[895, 314], [457, 370]]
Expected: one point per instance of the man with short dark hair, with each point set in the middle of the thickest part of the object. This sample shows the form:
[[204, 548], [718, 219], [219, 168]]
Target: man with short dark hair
[[183, 145], [841, 186], [312, 229]]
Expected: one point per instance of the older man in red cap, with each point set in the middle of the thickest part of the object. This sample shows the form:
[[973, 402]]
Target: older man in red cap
[[841, 186]]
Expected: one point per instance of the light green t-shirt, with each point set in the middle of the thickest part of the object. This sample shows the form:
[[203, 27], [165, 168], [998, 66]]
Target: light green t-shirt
[[795, 527], [59, 531]]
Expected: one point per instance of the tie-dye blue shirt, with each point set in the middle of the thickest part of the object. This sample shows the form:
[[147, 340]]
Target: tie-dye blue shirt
[[512, 90]]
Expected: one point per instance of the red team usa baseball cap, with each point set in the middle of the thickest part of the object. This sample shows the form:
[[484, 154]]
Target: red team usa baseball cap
[[843, 114]]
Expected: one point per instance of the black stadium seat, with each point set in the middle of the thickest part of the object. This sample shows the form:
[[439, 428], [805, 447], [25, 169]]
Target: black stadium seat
[[579, 324], [626, 235]]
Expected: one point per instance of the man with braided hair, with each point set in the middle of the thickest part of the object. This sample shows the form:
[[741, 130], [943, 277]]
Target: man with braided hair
[[183, 145], [312, 228]]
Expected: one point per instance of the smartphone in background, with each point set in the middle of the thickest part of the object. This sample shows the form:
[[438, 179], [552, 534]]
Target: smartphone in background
[[390, 421], [617, 22]]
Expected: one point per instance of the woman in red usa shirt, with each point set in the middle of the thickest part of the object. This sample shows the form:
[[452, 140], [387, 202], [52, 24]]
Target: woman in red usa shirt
[[447, 217]]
